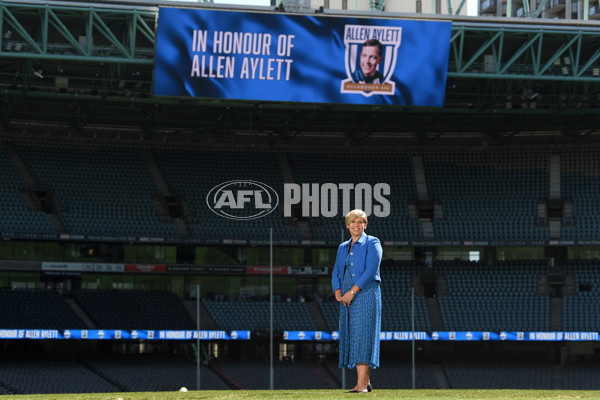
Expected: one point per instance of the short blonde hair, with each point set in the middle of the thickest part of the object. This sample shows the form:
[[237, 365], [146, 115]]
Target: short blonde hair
[[355, 214]]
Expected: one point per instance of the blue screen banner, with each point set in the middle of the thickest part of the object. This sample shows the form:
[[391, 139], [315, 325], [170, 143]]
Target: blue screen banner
[[111, 334], [300, 58], [456, 336]]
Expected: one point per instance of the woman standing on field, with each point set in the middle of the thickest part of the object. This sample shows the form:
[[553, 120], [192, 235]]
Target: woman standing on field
[[355, 281]]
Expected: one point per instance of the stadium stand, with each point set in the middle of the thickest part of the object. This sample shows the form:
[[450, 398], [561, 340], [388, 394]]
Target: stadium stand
[[193, 174], [488, 196], [582, 374], [496, 197], [15, 215], [580, 177], [255, 315], [330, 167], [3, 390], [134, 309], [153, 372], [103, 191], [331, 313], [290, 375], [499, 297], [580, 309], [33, 374], [36, 309], [498, 372], [99, 199], [396, 298], [397, 374]]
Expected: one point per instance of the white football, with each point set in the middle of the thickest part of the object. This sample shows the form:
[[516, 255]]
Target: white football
[[183, 389]]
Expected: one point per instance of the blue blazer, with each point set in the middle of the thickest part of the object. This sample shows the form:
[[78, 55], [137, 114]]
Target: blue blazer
[[366, 256]]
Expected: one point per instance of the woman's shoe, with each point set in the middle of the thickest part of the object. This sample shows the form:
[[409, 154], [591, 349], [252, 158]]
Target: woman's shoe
[[369, 388]]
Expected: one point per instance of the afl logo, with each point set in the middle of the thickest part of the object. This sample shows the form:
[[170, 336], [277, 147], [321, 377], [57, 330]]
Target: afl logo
[[242, 200]]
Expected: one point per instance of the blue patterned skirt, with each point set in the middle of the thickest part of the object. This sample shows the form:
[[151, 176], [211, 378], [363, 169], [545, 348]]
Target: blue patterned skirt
[[360, 325]]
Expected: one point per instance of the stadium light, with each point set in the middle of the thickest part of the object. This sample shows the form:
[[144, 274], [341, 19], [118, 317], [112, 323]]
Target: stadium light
[[529, 93], [37, 69]]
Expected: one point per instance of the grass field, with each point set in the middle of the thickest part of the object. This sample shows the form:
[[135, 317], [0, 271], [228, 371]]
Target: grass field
[[323, 395]]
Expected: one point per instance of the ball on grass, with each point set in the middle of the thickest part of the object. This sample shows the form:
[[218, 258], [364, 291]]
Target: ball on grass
[[183, 389]]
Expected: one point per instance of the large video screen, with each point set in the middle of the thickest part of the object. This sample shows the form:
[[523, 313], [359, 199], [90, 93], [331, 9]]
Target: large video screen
[[301, 58]]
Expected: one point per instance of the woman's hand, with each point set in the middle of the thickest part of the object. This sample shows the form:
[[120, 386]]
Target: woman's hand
[[347, 298], [338, 295]]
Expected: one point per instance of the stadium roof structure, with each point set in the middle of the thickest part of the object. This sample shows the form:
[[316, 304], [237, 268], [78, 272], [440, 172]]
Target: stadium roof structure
[[84, 71]]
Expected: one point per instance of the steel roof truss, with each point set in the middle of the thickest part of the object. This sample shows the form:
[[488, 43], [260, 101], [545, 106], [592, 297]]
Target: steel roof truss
[[524, 47], [20, 29], [108, 34], [51, 17], [481, 50]]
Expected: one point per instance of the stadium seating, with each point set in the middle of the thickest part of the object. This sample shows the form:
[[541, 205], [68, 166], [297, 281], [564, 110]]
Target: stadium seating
[[499, 297], [580, 310], [582, 374], [396, 287], [255, 315], [488, 195], [331, 313], [193, 174], [15, 216], [482, 195], [397, 171], [509, 372], [397, 374], [5, 391], [36, 309], [580, 178], [105, 191], [42, 374], [154, 372], [133, 309], [291, 375], [168, 372]]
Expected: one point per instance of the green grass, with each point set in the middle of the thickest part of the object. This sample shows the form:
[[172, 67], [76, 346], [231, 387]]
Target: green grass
[[324, 395]]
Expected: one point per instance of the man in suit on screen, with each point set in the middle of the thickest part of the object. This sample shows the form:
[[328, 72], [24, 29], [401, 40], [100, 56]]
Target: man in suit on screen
[[371, 55]]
